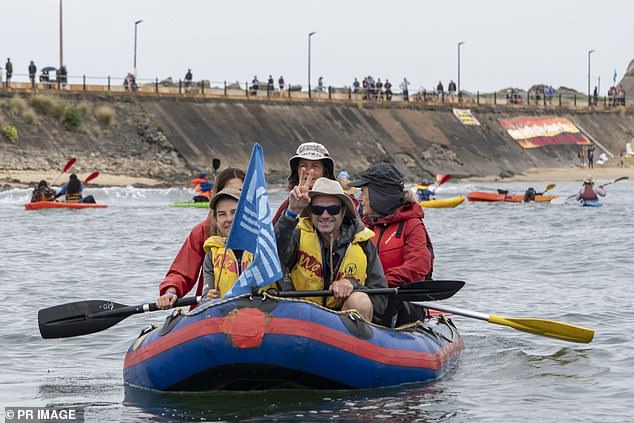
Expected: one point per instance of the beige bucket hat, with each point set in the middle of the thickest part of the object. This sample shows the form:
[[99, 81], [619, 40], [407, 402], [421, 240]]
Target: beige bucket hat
[[325, 186]]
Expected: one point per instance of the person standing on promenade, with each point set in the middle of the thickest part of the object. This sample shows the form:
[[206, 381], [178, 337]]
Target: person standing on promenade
[[591, 157], [32, 72], [188, 80], [405, 89], [280, 83], [8, 67]]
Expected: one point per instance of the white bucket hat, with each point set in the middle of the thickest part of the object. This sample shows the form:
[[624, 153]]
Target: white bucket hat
[[325, 186], [312, 151]]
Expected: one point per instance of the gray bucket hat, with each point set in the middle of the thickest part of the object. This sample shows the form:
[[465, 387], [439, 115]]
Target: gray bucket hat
[[312, 151]]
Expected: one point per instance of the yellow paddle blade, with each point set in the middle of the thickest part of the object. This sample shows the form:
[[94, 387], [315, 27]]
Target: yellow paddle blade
[[549, 328], [549, 187]]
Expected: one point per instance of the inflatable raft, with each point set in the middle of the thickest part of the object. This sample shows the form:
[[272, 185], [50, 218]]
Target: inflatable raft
[[590, 203], [39, 205], [442, 202], [509, 198], [265, 342]]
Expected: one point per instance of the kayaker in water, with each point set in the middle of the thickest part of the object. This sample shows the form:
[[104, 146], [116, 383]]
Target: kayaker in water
[[325, 246], [42, 192], [423, 192], [589, 192], [204, 193], [310, 156], [186, 269], [402, 242], [72, 191], [202, 178]]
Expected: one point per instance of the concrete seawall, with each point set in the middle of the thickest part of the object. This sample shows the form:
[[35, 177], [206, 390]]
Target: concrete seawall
[[170, 138]]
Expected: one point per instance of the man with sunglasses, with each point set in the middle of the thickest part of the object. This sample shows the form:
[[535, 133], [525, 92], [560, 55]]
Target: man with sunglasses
[[325, 246]]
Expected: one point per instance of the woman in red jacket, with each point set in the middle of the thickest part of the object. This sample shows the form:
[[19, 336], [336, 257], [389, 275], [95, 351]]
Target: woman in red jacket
[[401, 238], [186, 268]]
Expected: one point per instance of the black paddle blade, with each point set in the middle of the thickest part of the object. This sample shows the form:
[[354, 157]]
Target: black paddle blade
[[215, 163], [75, 319], [431, 290]]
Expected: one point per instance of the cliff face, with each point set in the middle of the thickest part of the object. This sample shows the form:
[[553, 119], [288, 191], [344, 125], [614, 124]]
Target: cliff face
[[171, 138]]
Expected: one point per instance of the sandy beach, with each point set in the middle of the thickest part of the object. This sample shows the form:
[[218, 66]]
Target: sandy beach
[[28, 178], [25, 178]]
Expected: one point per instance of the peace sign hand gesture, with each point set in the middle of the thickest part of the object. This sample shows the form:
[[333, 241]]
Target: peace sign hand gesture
[[298, 198]]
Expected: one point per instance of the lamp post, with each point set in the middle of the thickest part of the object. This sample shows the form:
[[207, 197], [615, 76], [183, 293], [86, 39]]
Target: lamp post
[[61, 39], [589, 93], [459, 44], [135, 33], [310, 34]]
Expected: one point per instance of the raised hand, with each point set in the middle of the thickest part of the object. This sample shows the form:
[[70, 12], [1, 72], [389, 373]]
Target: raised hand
[[298, 198]]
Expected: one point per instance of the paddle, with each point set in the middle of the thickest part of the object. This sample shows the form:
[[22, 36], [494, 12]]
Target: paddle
[[84, 317], [432, 290], [441, 179], [215, 164], [91, 177], [541, 327], [570, 197], [548, 188], [68, 165]]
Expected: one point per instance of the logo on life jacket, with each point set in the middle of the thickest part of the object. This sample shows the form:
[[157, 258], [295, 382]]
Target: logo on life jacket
[[350, 269], [309, 263], [226, 262]]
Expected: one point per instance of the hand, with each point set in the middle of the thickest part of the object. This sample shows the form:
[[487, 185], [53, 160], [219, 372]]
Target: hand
[[298, 198], [213, 294], [167, 300], [341, 288]]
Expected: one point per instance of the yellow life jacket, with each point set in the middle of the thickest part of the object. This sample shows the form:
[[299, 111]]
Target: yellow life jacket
[[308, 272], [225, 263], [73, 198]]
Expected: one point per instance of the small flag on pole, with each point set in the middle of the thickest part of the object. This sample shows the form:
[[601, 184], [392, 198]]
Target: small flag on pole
[[252, 230], [614, 77]]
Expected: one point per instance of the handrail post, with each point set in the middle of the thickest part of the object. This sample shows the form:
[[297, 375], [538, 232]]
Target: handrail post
[[495, 98], [225, 88], [84, 82], [180, 86], [202, 87], [156, 85], [108, 83]]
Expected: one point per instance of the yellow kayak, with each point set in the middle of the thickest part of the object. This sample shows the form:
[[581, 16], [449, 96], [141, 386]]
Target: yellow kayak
[[442, 202]]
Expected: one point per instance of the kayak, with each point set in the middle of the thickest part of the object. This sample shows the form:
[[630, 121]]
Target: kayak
[[509, 198], [39, 205], [442, 202], [590, 203], [198, 204], [266, 342]]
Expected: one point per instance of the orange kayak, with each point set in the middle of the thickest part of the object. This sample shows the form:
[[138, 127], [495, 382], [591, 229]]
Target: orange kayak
[[62, 205], [509, 198]]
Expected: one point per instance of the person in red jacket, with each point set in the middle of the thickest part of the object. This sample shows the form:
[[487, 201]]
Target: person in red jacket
[[315, 160], [405, 249], [186, 269]]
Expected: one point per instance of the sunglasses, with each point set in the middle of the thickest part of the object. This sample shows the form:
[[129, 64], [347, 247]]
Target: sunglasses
[[333, 210]]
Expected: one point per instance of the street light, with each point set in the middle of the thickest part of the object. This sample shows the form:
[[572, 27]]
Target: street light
[[135, 32], [310, 34], [459, 44], [61, 39], [589, 53]]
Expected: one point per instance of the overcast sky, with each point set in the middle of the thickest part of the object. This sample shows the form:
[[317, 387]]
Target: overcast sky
[[507, 42]]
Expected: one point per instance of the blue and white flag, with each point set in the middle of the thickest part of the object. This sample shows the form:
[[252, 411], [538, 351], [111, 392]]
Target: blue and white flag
[[252, 230], [614, 77]]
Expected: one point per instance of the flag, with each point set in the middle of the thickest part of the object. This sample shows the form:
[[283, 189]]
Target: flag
[[252, 230], [614, 77]]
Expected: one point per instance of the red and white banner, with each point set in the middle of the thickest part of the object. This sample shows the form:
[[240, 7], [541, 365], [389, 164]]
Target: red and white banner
[[534, 132]]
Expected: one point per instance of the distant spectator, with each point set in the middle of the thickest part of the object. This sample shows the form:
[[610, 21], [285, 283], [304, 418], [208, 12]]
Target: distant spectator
[[622, 159], [379, 89], [440, 90], [8, 67], [591, 157], [32, 72], [451, 88], [129, 82], [188, 80], [270, 85], [388, 89], [320, 84], [581, 154], [280, 83], [355, 86], [595, 96], [62, 76], [405, 89], [255, 85]]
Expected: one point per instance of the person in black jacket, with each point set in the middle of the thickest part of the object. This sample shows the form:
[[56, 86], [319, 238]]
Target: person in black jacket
[[32, 72]]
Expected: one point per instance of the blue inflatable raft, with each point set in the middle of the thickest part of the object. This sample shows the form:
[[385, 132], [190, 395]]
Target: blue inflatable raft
[[265, 342]]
